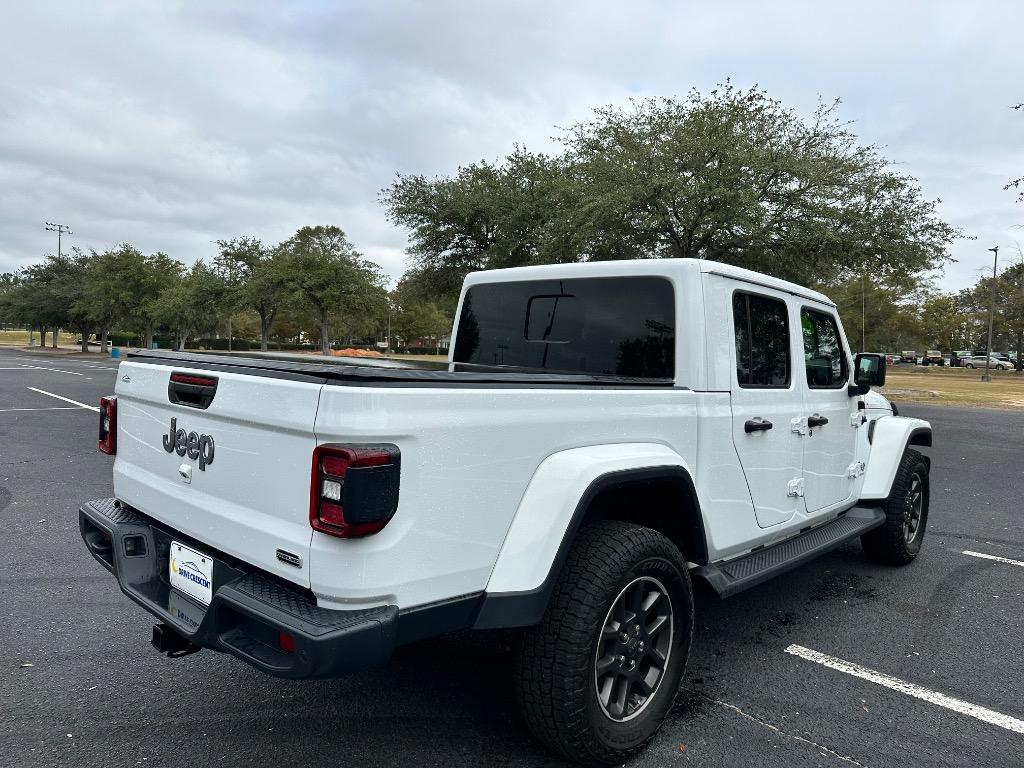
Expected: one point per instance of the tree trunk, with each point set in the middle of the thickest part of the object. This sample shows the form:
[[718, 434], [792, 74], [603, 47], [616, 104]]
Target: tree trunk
[[85, 340], [325, 346], [103, 342], [265, 321], [149, 338], [56, 334]]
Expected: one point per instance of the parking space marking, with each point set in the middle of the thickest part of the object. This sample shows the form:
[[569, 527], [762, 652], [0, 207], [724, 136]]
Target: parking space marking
[[41, 368], [55, 370], [998, 559], [53, 408], [66, 399], [910, 689]]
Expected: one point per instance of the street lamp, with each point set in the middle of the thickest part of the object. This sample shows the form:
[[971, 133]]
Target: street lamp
[[987, 376]]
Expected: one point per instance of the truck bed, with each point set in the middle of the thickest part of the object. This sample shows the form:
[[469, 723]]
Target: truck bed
[[354, 371]]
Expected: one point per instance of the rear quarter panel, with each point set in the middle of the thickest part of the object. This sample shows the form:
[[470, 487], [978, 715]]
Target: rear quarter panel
[[468, 455]]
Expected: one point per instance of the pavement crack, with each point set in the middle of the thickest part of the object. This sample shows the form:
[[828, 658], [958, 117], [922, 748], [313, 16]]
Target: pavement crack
[[775, 729]]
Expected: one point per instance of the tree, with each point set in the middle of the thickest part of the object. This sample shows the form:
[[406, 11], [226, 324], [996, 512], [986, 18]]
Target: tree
[[1008, 321], [414, 317], [890, 319], [941, 322], [105, 281], [122, 285], [191, 303], [259, 278], [49, 295], [330, 276], [141, 289], [1018, 183], [485, 217], [732, 175]]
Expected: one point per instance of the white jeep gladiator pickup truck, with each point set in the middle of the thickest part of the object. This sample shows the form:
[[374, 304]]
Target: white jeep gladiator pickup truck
[[602, 435]]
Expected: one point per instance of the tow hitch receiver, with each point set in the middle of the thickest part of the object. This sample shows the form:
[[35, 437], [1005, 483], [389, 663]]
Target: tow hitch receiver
[[166, 640]]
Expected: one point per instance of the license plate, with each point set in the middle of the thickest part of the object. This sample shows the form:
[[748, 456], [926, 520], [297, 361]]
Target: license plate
[[191, 572]]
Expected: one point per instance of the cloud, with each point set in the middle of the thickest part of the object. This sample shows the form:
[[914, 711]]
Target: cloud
[[170, 125]]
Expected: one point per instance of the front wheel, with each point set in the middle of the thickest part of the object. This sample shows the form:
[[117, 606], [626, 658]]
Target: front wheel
[[597, 677], [968, 365], [898, 540]]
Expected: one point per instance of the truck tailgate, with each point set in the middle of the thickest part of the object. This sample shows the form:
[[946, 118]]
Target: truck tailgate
[[252, 500]]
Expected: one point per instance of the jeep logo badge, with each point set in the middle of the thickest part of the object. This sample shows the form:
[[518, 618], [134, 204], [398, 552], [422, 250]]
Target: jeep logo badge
[[195, 445]]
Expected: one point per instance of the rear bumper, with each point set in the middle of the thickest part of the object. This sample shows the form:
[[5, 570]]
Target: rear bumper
[[248, 610]]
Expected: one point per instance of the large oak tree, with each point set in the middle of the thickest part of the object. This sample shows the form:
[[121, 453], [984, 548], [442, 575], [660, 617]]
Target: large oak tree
[[731, 175]]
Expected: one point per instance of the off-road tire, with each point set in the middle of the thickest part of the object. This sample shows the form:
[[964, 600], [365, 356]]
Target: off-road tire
[[889, 543], [556, 663]]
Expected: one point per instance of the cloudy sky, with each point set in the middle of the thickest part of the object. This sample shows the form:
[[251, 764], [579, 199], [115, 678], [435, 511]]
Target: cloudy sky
[[172, 124]]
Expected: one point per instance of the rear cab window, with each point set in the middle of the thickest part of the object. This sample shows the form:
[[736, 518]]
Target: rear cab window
[[622, 326]]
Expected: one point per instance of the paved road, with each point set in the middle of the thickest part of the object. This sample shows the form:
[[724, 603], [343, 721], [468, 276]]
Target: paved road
[[97, 694]]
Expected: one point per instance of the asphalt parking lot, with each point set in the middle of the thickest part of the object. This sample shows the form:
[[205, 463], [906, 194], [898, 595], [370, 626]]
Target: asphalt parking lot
[[922, 665]]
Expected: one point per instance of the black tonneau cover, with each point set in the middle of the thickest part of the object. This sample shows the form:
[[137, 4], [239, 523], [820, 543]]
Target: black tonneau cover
[[356, 371]]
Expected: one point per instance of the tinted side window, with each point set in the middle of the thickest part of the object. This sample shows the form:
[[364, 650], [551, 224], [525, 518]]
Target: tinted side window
[[823, 350], [609, 325], [761, 326]]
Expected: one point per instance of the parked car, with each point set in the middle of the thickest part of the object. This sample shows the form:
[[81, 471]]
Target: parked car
[[978, 361], [932, 357], [909, 356], [958, 357], [892, 358], [603, 434]]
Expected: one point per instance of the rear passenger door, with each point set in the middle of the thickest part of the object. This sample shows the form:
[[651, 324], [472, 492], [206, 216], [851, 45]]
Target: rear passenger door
[[766, 397], [830, 445]]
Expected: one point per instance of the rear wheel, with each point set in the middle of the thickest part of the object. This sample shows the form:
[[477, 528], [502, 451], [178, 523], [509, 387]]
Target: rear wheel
[[598, 676], [898, 540], [968, 365]]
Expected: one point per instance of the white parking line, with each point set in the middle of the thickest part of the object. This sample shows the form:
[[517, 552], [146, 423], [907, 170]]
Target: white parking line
[[910, 689], [998, 559], [56, 370], [54, 408], [40, 368], [66, 399]]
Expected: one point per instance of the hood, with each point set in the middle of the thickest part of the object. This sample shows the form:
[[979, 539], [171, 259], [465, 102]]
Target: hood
[[874, 400]]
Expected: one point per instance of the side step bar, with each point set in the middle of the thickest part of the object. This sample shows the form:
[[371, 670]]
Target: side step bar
[[728, 578]]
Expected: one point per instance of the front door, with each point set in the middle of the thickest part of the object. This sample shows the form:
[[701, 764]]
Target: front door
[[830, 444], [766, 398]]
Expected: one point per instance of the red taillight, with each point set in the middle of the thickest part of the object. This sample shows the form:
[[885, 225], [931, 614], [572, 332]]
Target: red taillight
[[353, 489], [108, 425], [196, 381]]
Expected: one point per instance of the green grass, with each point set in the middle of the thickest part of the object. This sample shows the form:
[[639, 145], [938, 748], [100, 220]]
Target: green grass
[[20, 338]]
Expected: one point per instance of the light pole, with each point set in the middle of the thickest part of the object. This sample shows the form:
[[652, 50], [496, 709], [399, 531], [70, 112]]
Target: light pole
[[60, 229], [987, 376]]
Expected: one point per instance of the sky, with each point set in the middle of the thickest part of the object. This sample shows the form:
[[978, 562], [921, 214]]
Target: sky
[[170, 125]]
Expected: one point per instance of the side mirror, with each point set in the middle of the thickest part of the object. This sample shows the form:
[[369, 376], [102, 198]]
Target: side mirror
[[869, 371]]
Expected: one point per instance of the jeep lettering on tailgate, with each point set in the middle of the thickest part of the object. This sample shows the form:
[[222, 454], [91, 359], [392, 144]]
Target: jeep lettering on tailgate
[[195, 445]]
